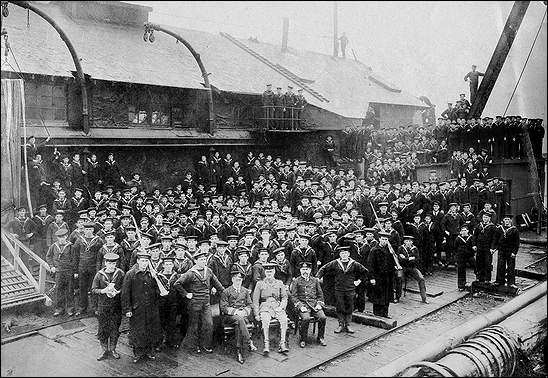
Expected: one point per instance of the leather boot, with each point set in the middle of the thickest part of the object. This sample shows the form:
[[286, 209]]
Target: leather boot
[[104, 355], [252, 346], [112, 346], [283, 347], [266, 348]]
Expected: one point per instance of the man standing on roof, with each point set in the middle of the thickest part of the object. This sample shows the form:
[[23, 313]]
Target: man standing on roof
[[300, 104], [279, 107], [473, 78], [268, 106], [290, 103], [344, 41]]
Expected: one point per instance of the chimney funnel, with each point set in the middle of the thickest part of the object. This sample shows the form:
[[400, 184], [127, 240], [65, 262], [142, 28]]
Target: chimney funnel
[[285, 32]]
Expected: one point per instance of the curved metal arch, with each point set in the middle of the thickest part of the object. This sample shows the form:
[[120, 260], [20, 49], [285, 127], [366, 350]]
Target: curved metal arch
[[149, 27], [79, 71]]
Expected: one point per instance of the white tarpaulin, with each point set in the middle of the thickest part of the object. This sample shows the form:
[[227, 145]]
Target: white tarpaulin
[[12, 116]]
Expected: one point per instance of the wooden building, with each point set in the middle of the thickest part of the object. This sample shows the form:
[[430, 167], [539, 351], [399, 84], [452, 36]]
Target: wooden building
[[152, 95]]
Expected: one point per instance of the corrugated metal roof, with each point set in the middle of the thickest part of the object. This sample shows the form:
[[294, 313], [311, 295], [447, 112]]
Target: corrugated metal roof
[[118, 53]]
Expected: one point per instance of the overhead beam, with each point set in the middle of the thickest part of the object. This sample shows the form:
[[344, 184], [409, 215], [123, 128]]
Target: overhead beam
[[75, 58], [149, 27]]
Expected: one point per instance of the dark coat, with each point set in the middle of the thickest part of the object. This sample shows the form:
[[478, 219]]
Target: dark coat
[[140, 295], [381, 268]]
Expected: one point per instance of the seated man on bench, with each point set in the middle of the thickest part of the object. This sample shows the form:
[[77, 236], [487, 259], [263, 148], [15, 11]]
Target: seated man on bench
[[308, 296], [236, 308], [269, 302]]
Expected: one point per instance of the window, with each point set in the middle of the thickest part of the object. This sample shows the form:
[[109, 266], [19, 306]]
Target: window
[[148, 107], [47, 101]]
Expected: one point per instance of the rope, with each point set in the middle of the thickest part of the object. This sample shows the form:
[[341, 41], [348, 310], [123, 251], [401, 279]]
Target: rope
[[525, 65]]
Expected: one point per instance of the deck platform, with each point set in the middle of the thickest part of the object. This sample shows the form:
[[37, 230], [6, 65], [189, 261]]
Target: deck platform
[[71, 349]]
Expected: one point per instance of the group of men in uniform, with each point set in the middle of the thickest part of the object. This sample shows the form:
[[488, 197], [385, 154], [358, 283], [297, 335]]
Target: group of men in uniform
[[500, 137], [283, 111], [299, 239]]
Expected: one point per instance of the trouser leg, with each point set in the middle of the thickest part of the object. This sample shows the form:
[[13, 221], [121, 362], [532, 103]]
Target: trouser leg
[[265, 323], [282, 318], [115, 331], [322, 319], [501, 268], [61, 290], [195, 310], [398, 282], [207, 324], [417, 275], [461, 272], [360, 296], [511, 270], [305, 322], [377, 309]]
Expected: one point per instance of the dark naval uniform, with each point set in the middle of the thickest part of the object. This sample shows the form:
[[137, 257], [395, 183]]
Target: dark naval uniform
[[307, 293], [381, 267], [508, 246], [109, 309], [345, 274]]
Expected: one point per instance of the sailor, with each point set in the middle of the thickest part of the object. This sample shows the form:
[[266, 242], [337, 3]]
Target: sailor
[[508, 245], [107, 285], [381, 266], [348, 275], [168, 303], [60, 257], [196, 285]]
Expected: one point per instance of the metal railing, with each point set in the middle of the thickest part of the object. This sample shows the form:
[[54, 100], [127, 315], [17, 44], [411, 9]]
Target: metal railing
[[279, 117], [15, 246]]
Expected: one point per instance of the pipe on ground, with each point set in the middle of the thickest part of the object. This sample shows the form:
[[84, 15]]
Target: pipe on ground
[[495, 350], [440, 345]]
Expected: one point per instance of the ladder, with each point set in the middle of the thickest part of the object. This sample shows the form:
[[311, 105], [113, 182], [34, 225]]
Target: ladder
[[277, 67]]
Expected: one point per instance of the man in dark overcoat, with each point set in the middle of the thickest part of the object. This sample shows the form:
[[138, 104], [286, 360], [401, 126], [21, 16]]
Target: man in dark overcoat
[[140, 295], [381, 266]]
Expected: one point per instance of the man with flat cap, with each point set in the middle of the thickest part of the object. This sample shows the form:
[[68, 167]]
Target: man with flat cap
[[348, 275], [381, 265], [508, 246], [60, 257], [236, 308], [107, 285], [308, 300], [196, 285], [140, 294]]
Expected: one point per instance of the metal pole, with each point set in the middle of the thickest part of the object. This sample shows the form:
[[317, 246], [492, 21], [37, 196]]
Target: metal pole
[[335, 31], [211, 121], [79, 71]]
